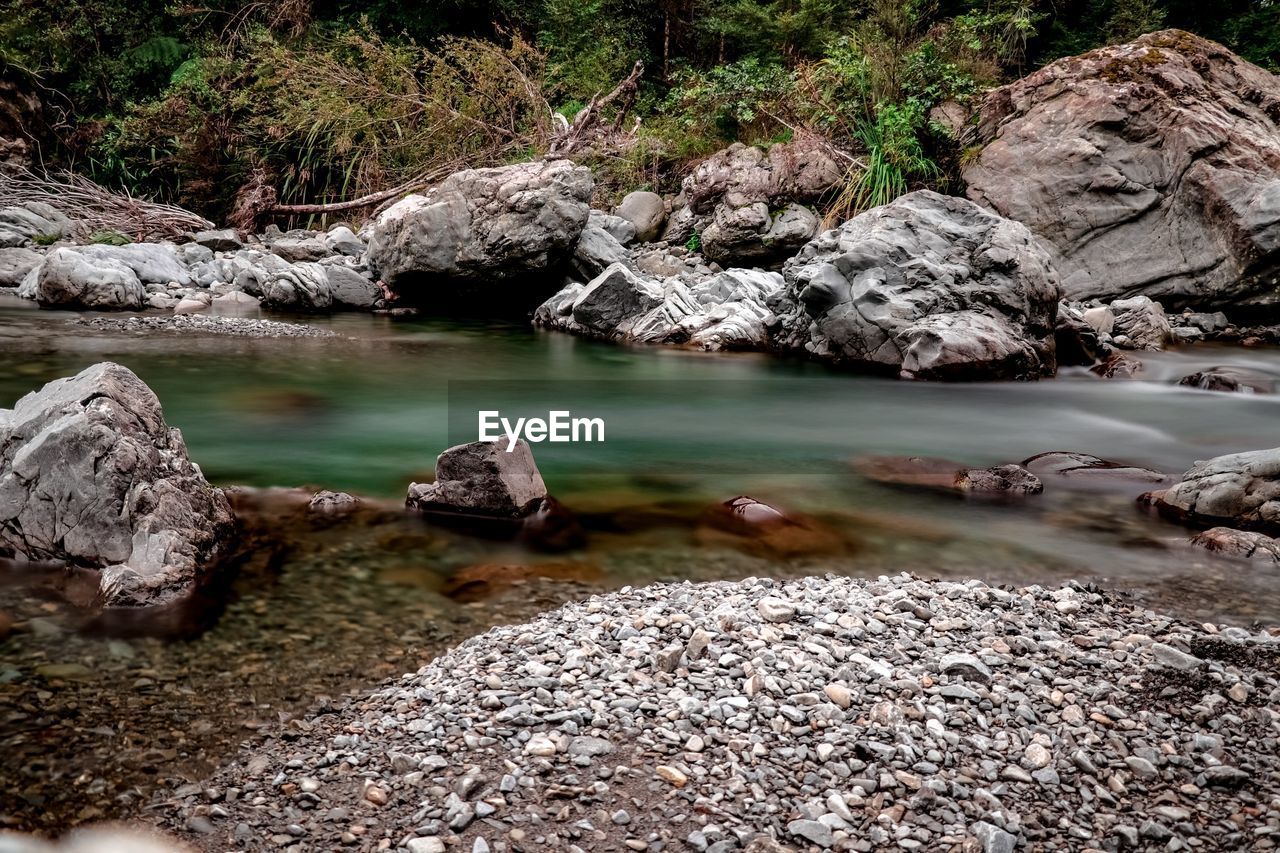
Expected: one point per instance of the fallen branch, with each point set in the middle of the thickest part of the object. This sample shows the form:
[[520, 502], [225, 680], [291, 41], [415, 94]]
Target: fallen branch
[[588, 118], [93, 208]]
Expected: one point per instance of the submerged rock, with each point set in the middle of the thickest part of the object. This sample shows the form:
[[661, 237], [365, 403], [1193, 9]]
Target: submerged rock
[[1086, 469], [757, 527], [1246, 544], [1149, 167], [1239, 380], [476, 583], [90, 474], [482, 478], [948, 476], [1240, 490], [927, 287], [482, 225]]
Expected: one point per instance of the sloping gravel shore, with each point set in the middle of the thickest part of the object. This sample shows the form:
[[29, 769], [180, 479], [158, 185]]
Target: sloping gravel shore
[[238, 327], [895, 714]]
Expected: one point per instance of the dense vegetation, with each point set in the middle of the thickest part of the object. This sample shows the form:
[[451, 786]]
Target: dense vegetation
[[325, 99]]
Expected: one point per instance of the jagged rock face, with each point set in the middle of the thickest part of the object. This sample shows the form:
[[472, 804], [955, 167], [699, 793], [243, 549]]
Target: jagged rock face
[[90, 474], [483, 225], [927, 287], [1151, 168], [715, 311], [754, 234], [1240, 490]]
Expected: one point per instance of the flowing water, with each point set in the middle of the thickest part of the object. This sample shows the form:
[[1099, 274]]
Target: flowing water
[[368, 413]]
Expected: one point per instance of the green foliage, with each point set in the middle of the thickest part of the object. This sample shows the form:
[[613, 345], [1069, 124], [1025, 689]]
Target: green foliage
[[771, 29], [46, 239], [110, 238], [1131, 18], [895, 157], [735, 101], [694, 243]]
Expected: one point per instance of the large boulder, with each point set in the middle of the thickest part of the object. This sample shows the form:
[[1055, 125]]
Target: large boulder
[[298, 287], [68, 278], [726, 310], [1240, 490], [90, 474], [927, 287], [482, 225], [32, 223], [1150, 168]]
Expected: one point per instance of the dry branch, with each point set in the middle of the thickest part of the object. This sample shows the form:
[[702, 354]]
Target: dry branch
[[93, 208]]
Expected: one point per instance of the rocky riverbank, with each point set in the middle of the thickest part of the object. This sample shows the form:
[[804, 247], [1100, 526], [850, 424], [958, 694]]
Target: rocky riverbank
[[823, 713]]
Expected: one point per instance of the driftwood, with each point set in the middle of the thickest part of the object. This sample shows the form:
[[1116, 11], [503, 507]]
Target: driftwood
[[93, 208], [586, 125]]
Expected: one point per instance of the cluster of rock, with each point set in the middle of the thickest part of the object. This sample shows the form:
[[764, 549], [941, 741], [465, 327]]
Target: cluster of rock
[[214, 271], [92, 476], [824, 713]]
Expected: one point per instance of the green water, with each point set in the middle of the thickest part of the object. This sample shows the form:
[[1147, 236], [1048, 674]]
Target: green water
[[368, 414]]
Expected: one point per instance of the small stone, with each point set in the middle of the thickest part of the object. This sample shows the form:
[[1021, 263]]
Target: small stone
[[969, 667], [426, 845], [541, 746], [1141, 768], [993, 838], [812, 831], [695, 744], [1036, 756], [620, 817], [670, 774], [375, 795], [1171, 657], [773, 609], [839, 694]]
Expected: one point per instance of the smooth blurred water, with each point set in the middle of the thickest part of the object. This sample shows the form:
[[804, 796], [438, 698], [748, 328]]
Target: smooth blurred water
[[369, 414]]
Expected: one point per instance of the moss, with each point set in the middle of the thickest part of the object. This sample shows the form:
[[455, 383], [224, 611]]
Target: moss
[[1125, 69]]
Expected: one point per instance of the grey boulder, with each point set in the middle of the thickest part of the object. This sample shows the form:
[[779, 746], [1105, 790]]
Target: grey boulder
[[298, 287], [927, 287], [483, 225], [67, 278], [740, 175], [484, 479], [646, 211], [222, 240], [91, 474], [34, 222], [1149, 168], [15, 264], [1240, 490], [1139, 323]]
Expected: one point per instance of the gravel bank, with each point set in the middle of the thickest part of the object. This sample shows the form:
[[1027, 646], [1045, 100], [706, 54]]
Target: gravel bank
[[896, 714], [239, 327]]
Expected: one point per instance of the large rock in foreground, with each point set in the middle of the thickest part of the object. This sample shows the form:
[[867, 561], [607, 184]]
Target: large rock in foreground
[[1152, 168], [90, 474], [483, 225], [1240, 490], [927, 287], [787, 716]]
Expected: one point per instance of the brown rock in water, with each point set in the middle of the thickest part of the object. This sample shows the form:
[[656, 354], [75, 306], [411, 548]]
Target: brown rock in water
[[757, 527], [1085, 469], [1118, 366], [926, 472], [1239, 380], [1246, 544], [475, 583], [1150, 167], [482, 478]]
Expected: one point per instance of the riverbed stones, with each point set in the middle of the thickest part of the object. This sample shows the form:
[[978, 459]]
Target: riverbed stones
[[1150, 168], [481, 226], [482, 477], [927, 287], [91, 474], [922, 756]]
